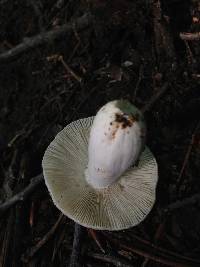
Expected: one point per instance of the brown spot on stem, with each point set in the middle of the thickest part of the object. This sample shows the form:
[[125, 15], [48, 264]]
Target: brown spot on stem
[[113, 135], [125, 120]]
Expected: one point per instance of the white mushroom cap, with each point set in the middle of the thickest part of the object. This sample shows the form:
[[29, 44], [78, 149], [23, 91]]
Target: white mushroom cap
[[122, 204]]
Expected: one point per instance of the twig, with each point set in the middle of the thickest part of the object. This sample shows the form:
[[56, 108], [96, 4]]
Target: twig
[[147, 245], [182, 203], [5, 253], [60, 58], [11, 175], [189, 36], [77, 244], [58, 243], [43, 241], [38, 13], [32, 214], [163, 38], [195, 75], [141, 74], [58, 7], [116, 261], [158, 234], [155, 97], [76, 46], [35, 181], [190, 56], [96, 239], [155, 253], [159, 231], [187, 155], [158, 29], [59, 4], [46, 37]]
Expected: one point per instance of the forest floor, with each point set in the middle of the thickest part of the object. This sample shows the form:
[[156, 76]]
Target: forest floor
[[61, 61]]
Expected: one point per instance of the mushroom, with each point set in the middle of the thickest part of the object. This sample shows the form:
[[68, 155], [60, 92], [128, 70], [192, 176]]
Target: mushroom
[[98, 170]]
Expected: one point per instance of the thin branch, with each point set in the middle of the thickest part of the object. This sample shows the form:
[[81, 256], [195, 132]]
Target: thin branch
[[140, 77], [43, 241], [155, 98], [154, 253], [38, 14], [162, 36], [190, 36], [182, 203], [149, 246], [95, 237], [187, 155], [116, 261], [46, 37], [69, 70], [35, 181], [158, 234]]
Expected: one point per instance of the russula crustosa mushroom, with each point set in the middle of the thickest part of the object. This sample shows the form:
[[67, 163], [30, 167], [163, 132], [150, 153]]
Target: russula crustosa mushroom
[[99, 171]]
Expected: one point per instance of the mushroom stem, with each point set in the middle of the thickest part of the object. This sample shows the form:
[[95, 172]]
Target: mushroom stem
[[116, 142]]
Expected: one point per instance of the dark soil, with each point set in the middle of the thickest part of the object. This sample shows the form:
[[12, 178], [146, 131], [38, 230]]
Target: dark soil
[[130, 50]]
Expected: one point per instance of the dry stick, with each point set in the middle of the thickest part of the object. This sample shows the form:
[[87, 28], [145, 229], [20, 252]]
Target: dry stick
[[163, 38], [189, 36], [77, 244], [155, 97], [109, 259], [195, 75], [116, 261], [7, 241], [38, 14], [94, 236], [76, 46], [154, 256], [187, 155], [190, 56], [68, 69], [43, 241], [144, 244], [59, 4], [182, 203], [46, 37], [58, 243], [141, 74], [21, 196], [158, 234], [10, 177]]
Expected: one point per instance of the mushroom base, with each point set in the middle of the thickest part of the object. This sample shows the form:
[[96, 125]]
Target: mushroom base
[[101, 183]]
